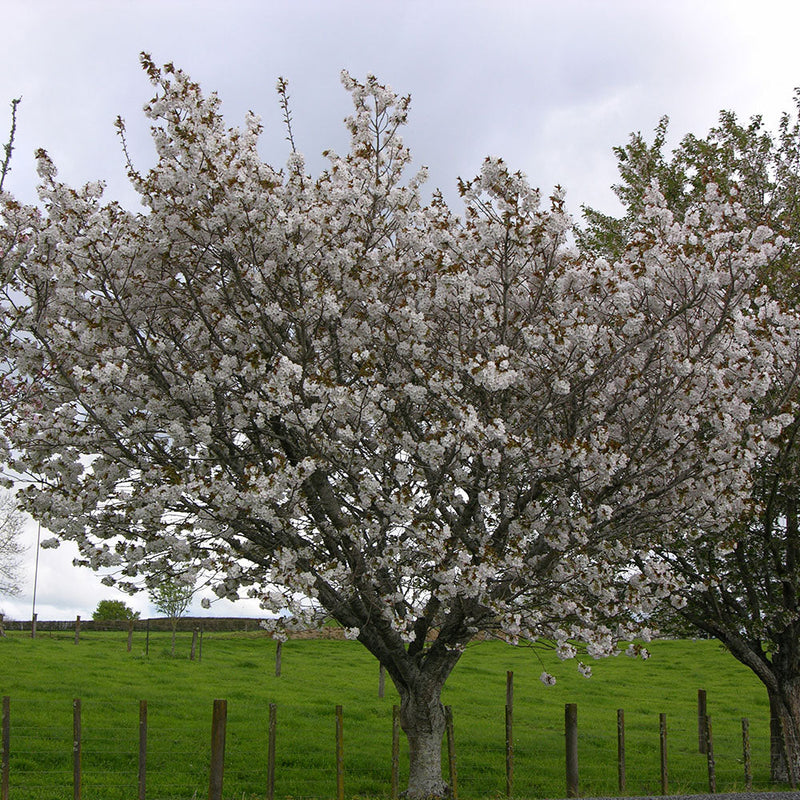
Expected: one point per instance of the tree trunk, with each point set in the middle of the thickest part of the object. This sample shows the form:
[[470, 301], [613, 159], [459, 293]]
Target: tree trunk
[[422, 718], [784, 706], [780, 674]]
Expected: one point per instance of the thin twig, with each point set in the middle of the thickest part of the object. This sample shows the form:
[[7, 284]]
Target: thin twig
[[9, 146], [283, 93]]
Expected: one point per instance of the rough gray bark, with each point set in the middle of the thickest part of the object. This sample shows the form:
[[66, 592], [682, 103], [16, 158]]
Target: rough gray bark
[[784, 705], [422, 719], [419, 671]]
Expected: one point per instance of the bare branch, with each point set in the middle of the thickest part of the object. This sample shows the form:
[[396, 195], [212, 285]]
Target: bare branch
[[8, 147]]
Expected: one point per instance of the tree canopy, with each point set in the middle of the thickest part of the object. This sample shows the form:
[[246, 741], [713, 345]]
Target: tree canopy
[[172, 597], [114, 610], [743, 588], [329, 392]]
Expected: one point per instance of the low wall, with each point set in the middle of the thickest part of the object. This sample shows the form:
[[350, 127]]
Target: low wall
[[207, 624]]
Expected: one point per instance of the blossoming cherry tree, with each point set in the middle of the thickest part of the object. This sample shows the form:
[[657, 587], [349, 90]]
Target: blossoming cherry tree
[[329, 393]]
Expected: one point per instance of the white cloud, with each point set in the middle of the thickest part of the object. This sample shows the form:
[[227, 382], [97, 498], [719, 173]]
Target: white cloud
[[64, 591]]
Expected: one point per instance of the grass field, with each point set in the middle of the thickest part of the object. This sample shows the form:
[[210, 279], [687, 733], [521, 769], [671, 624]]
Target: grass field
[[42, 676]]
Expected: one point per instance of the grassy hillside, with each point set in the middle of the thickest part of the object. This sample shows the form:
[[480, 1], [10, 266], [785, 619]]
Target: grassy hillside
[[42, 676]]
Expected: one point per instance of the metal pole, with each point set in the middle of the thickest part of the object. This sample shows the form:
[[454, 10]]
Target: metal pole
[[35, 577]]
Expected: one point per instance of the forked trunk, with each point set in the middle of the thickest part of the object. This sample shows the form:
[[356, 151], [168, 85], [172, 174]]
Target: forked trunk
[[422, 718], [784, 706]]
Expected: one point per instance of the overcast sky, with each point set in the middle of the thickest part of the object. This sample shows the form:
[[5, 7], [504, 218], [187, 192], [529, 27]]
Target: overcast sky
[[549, 85]]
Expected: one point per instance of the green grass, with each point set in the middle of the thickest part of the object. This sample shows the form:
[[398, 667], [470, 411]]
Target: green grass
[[42, 677]]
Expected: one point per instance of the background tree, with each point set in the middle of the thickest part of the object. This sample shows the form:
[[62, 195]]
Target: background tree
[[172, 597], [745, 588], [12, 524], [332, 395], [114, 610], [11, 385]]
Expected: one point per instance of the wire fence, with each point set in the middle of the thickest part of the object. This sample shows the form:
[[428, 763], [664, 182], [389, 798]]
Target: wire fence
[[104, 750]]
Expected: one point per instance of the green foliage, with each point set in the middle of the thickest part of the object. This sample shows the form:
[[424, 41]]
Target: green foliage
[[171, 598], [43, 675], [113, 610], [745, 160], [745, 593]]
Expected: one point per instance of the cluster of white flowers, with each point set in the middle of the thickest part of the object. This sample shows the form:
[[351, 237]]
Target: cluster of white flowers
[[329, 394]]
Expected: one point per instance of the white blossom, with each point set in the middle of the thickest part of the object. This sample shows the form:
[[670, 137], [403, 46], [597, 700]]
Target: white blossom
[[328, 393]]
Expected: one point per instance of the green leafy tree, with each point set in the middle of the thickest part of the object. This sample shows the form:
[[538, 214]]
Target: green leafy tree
[[742, 588], [172, 598], [114, 610]]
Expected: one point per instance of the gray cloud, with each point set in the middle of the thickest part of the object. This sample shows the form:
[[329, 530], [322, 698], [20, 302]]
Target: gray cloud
[[551, 87]]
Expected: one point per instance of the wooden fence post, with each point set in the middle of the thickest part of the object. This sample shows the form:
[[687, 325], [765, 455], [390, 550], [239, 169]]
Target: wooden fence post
[[621, 778], [395, 752], [702, 713], [451, 751], [33, 626], [748, 770], [147, 639], [194, 644], [339, 753], [200, 644], [662, 726], [509, 733], [142, 749], [712, 767], [77, 628], [6, 757], [218, 725], [278, 656], [571, 737], [130, 635], [76, 749], [273, 726]]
